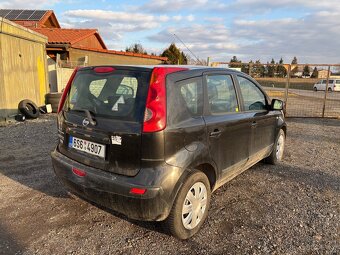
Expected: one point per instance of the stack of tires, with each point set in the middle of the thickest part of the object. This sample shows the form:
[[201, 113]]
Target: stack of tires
[[53, 99]]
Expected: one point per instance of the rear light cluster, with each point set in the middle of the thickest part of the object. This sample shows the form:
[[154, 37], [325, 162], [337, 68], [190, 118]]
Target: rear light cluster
[[155, 111]]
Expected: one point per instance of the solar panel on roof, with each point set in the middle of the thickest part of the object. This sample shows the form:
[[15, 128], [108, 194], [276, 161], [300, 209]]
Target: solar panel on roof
[[25, 15], [37, 15], [3, 12], [22, 14], [13, 14]]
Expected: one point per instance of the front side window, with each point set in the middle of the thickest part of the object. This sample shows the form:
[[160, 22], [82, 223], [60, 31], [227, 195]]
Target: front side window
[[221, 94], [253, 97]]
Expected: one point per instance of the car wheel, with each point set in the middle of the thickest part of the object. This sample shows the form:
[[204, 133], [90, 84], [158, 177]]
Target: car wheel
[[190, 208], [315, 89], [329, 89], [277, 153]]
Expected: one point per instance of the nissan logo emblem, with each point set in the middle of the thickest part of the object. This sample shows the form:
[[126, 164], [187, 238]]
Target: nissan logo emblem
[[86, 122]]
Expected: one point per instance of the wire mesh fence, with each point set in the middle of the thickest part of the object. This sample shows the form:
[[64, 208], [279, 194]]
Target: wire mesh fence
[[308, 90]]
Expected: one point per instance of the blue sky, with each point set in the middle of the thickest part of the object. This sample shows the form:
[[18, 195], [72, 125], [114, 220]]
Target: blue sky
[[249, 29]]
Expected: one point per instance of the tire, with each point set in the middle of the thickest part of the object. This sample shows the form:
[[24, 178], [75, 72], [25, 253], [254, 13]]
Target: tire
[[278, 149], [29, 109], [175, 224], [53, 99], [315, 89], [329, 89]]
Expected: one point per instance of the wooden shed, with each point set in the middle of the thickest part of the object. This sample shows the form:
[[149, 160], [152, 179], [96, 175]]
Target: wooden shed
[[23, 72]]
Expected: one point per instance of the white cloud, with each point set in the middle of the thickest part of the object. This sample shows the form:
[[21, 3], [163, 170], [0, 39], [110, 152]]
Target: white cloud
[[24, 4], [164, 6], [312, 38], [203, 40], [177, 18]]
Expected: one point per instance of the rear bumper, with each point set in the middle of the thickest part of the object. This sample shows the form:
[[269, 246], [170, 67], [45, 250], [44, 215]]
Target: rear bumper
[[113, 191]]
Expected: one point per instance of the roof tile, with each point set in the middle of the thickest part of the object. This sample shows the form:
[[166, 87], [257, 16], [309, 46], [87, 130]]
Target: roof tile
[[63, 36]]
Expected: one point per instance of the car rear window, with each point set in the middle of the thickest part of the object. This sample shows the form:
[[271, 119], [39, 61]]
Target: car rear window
[[119, 94]]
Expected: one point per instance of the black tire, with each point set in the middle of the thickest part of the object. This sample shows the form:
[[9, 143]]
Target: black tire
[[329, 89], [53, 99], [273, 158], [174, 224], [29, 109], [315, 89]]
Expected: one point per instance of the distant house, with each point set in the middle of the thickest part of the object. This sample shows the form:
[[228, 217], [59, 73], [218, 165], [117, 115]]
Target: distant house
[[322, 74]]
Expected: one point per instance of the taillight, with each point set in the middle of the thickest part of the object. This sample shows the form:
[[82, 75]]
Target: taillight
[[66, 90], [155, 111]]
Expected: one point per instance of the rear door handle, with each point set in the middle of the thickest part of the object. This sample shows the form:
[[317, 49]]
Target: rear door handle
[[215, 133]]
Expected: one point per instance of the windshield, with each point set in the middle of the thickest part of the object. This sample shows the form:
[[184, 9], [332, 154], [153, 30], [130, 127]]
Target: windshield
[[119, 94]]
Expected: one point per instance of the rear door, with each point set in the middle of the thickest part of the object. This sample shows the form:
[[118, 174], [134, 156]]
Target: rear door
[[116, 100], [263, 122], [227, 128]]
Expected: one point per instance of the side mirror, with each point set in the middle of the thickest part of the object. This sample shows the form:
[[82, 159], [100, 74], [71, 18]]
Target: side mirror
[[277, 104]]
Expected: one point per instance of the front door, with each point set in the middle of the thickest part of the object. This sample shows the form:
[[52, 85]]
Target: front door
[[262, 120]]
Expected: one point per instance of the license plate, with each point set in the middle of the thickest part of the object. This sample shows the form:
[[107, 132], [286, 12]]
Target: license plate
[[87, 146]]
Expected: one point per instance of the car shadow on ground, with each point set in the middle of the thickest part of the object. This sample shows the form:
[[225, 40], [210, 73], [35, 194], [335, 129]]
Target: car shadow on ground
[[38, 175], [149, 225]]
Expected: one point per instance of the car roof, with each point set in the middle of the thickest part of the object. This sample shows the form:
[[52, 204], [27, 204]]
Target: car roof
[[189, 67]]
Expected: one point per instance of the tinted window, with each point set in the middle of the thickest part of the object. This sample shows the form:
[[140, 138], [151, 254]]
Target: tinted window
[[190, 94], [330, 82], [337, 81], [184, 100], [221, 94], [253, 97], [118, 95]]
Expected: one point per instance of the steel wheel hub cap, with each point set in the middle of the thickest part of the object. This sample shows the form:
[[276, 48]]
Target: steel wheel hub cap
[[280, 147], [194, 205]]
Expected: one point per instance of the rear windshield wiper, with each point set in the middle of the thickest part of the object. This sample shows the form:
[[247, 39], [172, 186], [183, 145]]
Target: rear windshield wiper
[[88, 115]]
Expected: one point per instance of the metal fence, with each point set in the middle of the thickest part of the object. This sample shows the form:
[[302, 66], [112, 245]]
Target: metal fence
[[308, 90]]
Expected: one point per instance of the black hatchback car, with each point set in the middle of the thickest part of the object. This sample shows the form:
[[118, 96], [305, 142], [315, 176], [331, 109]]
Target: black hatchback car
[[153, 142]]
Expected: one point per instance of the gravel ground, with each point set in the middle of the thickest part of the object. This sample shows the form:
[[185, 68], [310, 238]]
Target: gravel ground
[[291, 208]]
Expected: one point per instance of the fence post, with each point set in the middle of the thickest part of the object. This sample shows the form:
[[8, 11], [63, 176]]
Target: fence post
[[287, 84], [326, 92]]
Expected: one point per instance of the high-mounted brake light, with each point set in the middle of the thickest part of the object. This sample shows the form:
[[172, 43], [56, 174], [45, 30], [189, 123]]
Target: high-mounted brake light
[[66, 90], [104, 69], [155, 111]]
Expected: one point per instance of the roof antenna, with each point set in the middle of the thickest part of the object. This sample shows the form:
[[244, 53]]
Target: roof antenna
[[188, 49]]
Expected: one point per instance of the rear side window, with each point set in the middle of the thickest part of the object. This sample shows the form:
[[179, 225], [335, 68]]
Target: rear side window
[[221, 94], [190, 93], [253, 97], [184, 100], [120, 94]]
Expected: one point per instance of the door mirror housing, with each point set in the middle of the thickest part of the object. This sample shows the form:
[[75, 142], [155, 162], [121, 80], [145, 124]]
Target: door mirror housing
[[277, 105]]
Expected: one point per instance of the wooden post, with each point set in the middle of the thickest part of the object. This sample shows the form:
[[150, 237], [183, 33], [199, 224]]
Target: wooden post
[[326, 92], [287, 83]]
